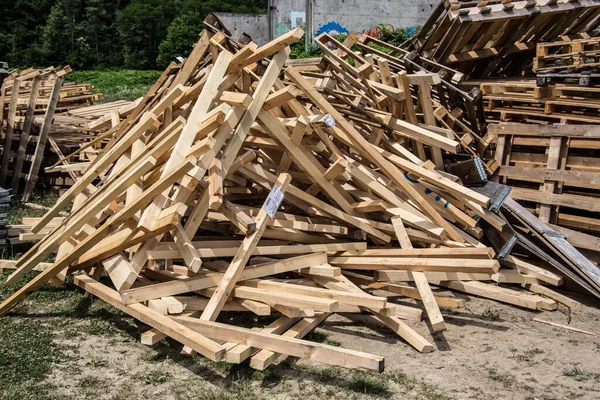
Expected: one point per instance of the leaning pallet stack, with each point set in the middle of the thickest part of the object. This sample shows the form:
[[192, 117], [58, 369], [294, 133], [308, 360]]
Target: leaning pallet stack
[[29, 101], [239, 185], [486, 39]]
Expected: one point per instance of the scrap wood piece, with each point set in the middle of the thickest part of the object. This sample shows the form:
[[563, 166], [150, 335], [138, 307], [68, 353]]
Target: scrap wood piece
[[417, 264], [295, 347], [403, 290], [264, 358], [558, 297], [236, 268], [237, 353], [425, 293], [168, 326], [398, 326], [505, 295], [570, 328], [390, 171], [209, 280]]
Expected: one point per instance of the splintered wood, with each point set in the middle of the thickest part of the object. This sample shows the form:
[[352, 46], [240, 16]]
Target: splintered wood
[[244, 182]]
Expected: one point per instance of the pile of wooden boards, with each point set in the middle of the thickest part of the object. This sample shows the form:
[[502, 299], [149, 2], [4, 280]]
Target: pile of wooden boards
[[29, 101], [245, 182], [499, 38]]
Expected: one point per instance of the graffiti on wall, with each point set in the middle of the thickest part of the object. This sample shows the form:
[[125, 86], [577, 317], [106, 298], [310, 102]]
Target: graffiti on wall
[[376, 31], [335, 28], [332, 28]]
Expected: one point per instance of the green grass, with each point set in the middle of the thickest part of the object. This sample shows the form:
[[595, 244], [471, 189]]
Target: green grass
[[117, 84], [579, 374], [27, 349]]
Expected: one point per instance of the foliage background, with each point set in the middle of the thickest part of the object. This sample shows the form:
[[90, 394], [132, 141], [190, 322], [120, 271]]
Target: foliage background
[[93, 34], [108, 34]]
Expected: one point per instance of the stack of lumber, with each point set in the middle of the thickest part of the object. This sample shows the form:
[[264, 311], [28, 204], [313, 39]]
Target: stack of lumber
[[238, 184], [498, 38], [35, 121], [522, 100]]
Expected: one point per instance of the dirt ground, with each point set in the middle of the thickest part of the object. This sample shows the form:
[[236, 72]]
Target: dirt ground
[[489, 351]]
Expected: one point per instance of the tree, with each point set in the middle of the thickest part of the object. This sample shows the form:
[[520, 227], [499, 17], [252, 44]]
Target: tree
[[57, 36], [181, 35]]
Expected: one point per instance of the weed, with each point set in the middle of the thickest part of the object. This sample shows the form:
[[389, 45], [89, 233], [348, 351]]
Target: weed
[[100, 327], [404, 380], [321, 337], [97, 363], [89, 381], [579, 374], [529, 355], [490, 313], [156, 377], [506, 379], [366, 383]]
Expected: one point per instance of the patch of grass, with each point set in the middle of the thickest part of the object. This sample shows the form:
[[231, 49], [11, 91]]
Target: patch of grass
[[506, 379], [579, 374], [528, 355], [158, 376], [90, 381], [119, 84], [319, 336], [27, 353], [97, 363], [490, 313], [366, 383]]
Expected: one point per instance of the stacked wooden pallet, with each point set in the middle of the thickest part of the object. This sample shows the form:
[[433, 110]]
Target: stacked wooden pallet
[[554, 171], [482, 39], [567, 55], [30, 103], [240, 185], [522, 100]]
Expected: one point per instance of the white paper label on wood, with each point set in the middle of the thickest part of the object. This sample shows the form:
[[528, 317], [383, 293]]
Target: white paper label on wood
[[329, 120], [273, 201]]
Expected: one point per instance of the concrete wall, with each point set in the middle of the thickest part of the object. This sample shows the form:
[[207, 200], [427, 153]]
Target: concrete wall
[[255, 25], [337, 16]]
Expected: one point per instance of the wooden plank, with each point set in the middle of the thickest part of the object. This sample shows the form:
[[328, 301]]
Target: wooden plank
[[26, 131], [40, 147], [168, 326], [236, 268], [212, 279], [295, 347], [10, 126]]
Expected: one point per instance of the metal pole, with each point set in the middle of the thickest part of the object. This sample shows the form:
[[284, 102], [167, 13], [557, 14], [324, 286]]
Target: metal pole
[[270, 10], [309, 24]]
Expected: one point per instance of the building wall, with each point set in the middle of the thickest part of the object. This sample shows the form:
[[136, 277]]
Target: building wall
[[255, 25], [336, 16]]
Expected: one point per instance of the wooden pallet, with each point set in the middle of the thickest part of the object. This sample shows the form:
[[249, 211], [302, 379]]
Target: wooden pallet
[[521, 100], [567, 55], [553, 170]]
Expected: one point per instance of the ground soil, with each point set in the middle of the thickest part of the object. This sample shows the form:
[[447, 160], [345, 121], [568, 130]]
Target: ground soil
[[489, 351]]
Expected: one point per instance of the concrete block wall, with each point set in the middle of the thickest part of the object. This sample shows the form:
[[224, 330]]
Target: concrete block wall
[[337, 16]]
